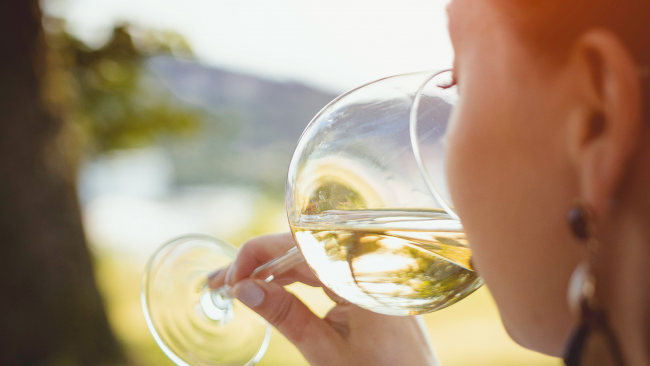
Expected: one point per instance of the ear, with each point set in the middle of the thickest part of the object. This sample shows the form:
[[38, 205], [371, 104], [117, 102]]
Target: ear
[[605, 133]]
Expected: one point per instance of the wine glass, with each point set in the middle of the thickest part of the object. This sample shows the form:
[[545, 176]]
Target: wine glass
[[367, 217], [429, 121]]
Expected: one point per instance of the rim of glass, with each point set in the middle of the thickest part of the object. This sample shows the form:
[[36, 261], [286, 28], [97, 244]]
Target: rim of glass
[[412, 131], [413, 124], [145, 308]]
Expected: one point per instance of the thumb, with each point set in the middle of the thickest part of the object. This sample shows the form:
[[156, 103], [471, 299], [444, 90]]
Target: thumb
[[288, 315]]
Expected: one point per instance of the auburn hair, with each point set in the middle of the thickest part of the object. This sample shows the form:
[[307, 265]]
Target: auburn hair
[[552, 26], [555, 24]]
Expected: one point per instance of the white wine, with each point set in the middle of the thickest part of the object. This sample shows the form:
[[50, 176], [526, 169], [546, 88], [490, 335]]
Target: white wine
[[389, 261]]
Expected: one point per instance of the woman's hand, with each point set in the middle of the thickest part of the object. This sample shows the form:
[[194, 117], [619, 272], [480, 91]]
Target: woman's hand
[[348, 335]]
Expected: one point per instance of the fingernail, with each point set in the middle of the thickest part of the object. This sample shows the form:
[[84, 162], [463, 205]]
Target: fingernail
[[250, 294]]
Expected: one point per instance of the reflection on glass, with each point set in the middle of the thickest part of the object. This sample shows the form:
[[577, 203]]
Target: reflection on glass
[[389, 261], [365, 216]]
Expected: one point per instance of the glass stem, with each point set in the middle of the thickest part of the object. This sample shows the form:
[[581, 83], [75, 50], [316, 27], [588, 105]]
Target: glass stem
[[268, 271]]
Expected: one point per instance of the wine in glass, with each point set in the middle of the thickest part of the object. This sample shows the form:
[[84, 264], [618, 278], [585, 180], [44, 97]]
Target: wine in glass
[[370, 218]]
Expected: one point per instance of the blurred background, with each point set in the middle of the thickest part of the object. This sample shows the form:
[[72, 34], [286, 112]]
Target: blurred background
[[178, 117]]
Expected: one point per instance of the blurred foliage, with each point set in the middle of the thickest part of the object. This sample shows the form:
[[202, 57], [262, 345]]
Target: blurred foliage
[[107, 96]]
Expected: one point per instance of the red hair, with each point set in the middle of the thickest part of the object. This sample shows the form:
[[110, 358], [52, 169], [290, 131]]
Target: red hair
[[555, 24]]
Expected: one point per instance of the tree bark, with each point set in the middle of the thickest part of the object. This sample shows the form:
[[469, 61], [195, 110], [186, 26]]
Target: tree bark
[[51, 312]]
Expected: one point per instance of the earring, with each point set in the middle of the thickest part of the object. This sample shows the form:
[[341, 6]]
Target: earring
[[593, 342], [579, 218]]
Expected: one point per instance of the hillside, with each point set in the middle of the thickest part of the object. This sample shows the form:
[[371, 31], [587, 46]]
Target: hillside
[[258, 124]]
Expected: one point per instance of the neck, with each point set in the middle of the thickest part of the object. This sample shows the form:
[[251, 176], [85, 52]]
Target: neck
[[623, 278]]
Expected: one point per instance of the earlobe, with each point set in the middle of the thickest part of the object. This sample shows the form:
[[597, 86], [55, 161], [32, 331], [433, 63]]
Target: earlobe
[[605, 133]]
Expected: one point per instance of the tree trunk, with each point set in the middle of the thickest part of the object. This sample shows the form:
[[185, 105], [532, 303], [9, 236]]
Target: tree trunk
[[50, 310]]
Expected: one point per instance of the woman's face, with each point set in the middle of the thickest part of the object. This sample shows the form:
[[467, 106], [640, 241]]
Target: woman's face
[[510, 174]]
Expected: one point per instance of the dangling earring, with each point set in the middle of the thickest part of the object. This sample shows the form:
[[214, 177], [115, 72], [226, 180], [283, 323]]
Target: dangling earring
[[593, 342]]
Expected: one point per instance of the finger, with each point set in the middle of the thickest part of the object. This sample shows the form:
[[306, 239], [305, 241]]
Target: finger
[[263, 249], [256, 252], [339, 318], [217, 278], [252, 254], [289, 315], [300, 273], [334, 297]]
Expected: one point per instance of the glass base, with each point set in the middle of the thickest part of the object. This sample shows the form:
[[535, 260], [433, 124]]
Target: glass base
[[191, 323]]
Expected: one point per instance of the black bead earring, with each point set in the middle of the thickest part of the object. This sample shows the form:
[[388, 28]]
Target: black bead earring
[[592, 342], [579, 221]]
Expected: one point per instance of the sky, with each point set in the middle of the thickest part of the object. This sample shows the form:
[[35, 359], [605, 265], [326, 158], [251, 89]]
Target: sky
[[333, 44]]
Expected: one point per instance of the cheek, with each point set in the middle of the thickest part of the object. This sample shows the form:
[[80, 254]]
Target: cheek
[[480, 179], [509, 186], [477, 147]]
